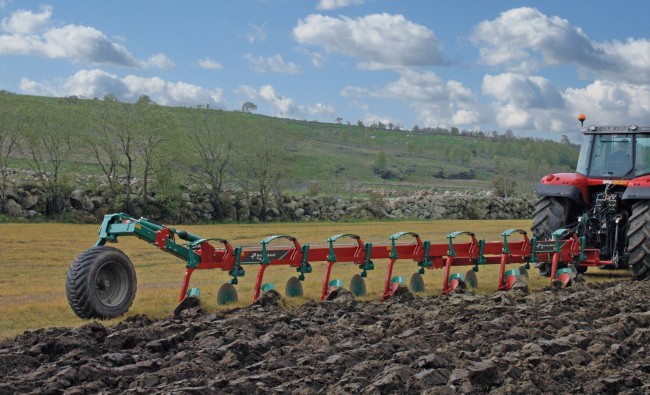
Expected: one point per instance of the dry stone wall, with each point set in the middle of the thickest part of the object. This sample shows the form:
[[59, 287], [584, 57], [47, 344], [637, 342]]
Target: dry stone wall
[[27, 199]]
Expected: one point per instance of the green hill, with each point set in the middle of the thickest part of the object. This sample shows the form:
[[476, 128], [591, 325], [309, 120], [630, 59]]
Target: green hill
[[169, 145]]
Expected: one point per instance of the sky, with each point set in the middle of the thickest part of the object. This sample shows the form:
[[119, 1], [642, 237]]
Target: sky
[[528, 66]]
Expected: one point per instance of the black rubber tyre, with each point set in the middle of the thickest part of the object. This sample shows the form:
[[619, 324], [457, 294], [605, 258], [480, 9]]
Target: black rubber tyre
[[551, 213], [101, 283], [638, 237]]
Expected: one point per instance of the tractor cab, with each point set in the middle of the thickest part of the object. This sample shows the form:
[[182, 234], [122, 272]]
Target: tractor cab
[[615, 152]]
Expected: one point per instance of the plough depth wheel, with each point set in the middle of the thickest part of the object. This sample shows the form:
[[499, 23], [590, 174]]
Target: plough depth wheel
[[101, 283]]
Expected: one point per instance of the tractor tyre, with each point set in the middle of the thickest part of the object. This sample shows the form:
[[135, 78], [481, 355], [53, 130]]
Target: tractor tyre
[[638, 238], [551, 213], [101, 283]]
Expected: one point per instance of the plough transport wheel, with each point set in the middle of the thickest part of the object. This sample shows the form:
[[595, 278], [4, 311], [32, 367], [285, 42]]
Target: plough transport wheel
[[101, 283]]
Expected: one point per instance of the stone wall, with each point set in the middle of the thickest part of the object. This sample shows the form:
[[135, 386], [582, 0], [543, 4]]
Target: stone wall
[[26, 199]]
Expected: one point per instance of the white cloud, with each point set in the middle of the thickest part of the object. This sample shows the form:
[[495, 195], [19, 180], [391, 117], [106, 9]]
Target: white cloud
[[378, 40], [271, 64], [321, 109], [526, 92], [524, 102], [98, 83], [437, 103], [317, 59], [532, 103], [258, 34], [606, 102], [32, 34], [209, 64], [26, 22], [524, 39], [465, 117], [334, 4], [160, 61], [284, 106]]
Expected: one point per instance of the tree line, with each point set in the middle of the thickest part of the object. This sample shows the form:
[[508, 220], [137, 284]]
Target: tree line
[[145, 151], [134, 145]]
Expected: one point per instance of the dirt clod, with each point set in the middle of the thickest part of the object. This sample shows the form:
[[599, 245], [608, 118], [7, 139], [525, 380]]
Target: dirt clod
[[587, 338]]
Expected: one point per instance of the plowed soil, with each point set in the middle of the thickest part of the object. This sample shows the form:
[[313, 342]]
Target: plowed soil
[[585, 339]]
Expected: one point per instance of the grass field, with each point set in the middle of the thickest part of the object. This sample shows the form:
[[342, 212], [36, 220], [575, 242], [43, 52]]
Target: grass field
[[34, 259]]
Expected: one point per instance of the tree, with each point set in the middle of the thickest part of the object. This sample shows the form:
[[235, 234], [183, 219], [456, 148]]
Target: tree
[[121, 124], [49, 144], [339, 120], [360, 124], [460, 154], [504, 185], [262, 166], [153, 127], [102, 144], [12, 124], [213, 146], [565, 139], [248, 107]]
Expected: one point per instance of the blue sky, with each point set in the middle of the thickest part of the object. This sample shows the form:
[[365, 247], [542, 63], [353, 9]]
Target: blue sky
[[489, 65]]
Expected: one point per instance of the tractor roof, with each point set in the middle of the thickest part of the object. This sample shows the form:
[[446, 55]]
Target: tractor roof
[[593, 129]]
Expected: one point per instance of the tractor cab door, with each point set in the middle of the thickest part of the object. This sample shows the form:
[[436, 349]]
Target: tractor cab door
[[642, 155], [607, 156]]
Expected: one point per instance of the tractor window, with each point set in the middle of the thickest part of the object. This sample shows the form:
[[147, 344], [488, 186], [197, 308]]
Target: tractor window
[[611, 156], [642, 153], [583, 158]]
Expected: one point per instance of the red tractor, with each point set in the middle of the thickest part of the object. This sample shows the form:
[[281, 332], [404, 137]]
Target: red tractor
[[606, 201]]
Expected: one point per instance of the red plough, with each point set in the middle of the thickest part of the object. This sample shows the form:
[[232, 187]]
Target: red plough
[[109, 269]]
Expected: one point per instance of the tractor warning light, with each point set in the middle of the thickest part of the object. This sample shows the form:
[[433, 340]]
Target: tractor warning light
[[582, 118]]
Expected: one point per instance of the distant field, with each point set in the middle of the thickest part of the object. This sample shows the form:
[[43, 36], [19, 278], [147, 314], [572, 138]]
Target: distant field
[[34, 259]]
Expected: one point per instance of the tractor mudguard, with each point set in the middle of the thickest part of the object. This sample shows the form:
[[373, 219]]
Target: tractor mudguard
[[637, 193], [568, 191]]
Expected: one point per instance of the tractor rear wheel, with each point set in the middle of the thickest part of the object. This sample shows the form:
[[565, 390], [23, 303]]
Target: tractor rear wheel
[[638, 238], [551, 213], [101, 283]]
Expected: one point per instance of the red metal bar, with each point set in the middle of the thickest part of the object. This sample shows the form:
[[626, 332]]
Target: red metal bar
[[388, 292], [186, 284], [258, 281], [326, 280]]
